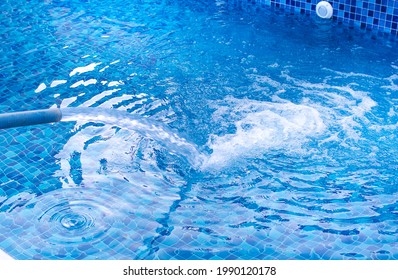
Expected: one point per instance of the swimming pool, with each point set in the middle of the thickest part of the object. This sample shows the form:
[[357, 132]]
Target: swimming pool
[[196, 130]]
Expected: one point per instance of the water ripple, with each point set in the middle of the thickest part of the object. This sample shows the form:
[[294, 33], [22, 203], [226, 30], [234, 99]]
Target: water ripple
[[69, 216]]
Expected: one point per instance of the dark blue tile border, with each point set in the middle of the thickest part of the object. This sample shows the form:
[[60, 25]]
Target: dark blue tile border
[[379, 15]]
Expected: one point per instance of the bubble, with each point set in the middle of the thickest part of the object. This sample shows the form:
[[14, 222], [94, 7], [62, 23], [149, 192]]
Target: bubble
[[262, 126]]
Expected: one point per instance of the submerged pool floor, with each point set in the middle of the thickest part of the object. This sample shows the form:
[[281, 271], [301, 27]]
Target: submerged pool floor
[[196, 130]]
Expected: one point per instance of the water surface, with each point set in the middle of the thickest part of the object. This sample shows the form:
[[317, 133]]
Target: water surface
[[196, 130]]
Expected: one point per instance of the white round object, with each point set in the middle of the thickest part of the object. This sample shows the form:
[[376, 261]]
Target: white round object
[[324, 9]]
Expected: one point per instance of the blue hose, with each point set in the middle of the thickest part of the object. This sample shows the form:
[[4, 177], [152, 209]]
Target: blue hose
[[30, 118]]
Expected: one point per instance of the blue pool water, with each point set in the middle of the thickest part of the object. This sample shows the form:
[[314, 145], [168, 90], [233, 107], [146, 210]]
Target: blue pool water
[[203, 129]]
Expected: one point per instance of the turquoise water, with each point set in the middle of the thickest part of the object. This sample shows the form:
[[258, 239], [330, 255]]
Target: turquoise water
[[196, 130]]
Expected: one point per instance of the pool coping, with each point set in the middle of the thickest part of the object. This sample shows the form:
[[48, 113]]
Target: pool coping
[[4, 256]]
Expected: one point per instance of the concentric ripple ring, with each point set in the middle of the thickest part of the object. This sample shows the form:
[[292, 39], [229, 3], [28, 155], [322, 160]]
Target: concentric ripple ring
[[71, 216]]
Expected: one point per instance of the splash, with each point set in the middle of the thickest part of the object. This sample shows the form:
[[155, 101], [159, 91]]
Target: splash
[[262, 126], [145, 127]]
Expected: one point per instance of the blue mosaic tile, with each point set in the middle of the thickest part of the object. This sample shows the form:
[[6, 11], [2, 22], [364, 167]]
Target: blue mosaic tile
[[369, 14], [152, 214]]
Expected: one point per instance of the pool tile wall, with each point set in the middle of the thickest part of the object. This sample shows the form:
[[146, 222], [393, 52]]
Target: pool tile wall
[[381, 15]]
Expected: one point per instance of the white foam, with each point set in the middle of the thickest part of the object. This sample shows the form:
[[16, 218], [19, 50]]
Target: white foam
[[350, 74], [262, 79], [324, 87], [262, 126], [364, 106], [391, 113], [388, 127], [344, 108], [392, 86], [84, 69]]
